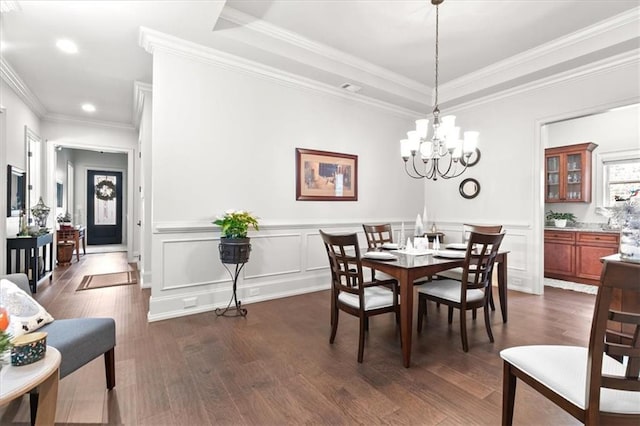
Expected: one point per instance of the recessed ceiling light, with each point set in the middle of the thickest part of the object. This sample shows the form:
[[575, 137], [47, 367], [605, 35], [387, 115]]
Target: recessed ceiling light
[[67, 46], [88, 108]]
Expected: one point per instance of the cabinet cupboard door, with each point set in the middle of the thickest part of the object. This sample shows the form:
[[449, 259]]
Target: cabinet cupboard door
[[554, 179], [588, 262], [559, 258]]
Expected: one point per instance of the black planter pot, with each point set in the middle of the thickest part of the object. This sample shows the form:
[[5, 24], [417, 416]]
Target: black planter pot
[[234, 250]]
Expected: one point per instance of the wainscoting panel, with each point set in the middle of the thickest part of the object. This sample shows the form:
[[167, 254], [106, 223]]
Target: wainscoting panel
[[316, 253], [285, 260], [188, 262], [274, 254]]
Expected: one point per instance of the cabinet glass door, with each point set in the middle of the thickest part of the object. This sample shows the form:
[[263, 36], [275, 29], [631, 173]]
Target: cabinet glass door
[[553, 177], [574, 177]]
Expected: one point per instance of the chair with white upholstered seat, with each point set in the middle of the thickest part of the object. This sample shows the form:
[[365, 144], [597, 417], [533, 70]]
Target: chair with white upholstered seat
[[589, 383], [456, 273], [472, 291], [350, 293]]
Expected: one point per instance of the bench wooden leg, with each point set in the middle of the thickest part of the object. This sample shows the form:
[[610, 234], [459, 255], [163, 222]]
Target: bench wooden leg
[[110, 368]]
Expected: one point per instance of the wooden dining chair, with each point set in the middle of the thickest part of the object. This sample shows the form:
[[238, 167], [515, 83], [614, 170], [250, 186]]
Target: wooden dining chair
[[350, 293], [377, 235], [591, 384], [456, 273], [472, 291]]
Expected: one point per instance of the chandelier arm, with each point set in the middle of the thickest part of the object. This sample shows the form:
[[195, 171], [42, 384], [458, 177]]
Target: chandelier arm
[[415, 169], [406, 169]]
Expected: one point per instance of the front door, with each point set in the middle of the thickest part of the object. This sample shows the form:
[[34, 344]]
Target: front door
[[104, 207]]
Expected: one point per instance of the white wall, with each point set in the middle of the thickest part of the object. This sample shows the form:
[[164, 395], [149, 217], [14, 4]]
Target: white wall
[[17, 115], [224, 138], [612, 131], [511, 169]]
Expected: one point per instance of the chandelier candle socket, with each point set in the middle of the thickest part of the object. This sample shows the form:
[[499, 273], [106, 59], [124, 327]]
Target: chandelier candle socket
[[445, 155]]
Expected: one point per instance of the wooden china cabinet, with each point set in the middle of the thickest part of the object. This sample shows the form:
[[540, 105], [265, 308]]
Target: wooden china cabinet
[[568, 173]]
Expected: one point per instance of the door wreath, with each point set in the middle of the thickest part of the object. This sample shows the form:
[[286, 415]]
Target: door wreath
[[105, 190]]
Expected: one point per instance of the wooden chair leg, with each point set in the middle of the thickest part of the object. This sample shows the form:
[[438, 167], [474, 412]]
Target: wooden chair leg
[[463, 330], [110, 367], [487, 323], [422, 306], [33, 405], [366, 323], [508, 395], [450, 315], [474, 314], [334, 326], [361, 339]]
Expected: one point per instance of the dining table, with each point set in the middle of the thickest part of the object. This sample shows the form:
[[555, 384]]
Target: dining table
[[406, 268]]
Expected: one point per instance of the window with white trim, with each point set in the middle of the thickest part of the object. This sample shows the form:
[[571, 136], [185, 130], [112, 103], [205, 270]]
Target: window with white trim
[[621, 177]]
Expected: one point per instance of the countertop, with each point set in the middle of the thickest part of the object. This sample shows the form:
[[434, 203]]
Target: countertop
[[599, 230]]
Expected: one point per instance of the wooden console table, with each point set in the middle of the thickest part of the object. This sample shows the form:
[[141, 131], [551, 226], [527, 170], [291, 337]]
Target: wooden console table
[[75, 235], [29, 247]]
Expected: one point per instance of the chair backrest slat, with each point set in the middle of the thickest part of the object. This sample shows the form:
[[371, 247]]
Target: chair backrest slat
[[377, 235], [467, 228], [618, 280], [615, 382], [344, 259], [481, 254]]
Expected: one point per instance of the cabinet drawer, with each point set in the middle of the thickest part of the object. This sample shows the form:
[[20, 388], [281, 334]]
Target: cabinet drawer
[[568, 237], [597, 238]]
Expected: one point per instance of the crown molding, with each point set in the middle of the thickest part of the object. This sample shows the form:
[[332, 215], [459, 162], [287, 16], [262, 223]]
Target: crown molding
[[140, 92], [607, 33], [14, 81], [61, 118], [152, 40], [600, 67], [351, 66]]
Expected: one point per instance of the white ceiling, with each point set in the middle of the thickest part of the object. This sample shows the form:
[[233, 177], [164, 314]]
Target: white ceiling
[[387, 47]]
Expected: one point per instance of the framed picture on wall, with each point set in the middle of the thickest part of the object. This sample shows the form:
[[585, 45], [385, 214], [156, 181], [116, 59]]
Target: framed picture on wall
[[326, 176]]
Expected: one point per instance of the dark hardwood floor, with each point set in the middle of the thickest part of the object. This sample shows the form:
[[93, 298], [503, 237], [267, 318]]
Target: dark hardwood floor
[[276, 366]]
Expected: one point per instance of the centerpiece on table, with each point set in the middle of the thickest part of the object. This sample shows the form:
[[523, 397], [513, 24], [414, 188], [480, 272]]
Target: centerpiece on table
[[234, 244], [560, 219]]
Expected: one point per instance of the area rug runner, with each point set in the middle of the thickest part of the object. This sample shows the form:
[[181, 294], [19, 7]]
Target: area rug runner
[[108, 280]]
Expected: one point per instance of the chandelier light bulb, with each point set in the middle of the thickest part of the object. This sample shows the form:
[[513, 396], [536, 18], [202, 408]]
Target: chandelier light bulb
[[405, 150], [422, 127]]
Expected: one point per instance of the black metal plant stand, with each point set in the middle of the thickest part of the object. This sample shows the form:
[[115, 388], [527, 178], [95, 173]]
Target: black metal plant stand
[[230, 311]]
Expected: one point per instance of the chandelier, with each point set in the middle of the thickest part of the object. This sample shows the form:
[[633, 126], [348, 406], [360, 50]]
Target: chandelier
[[445, 155]]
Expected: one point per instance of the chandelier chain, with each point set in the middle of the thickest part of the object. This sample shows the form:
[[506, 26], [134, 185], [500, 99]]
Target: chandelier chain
[[437, 58]]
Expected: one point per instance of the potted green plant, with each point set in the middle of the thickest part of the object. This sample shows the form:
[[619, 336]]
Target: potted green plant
[[234, 244], [560, 219]]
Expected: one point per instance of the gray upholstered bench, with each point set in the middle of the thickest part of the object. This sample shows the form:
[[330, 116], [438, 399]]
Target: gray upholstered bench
[[79, 340]]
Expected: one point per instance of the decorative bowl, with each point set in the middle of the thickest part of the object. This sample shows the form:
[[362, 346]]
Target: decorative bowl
[[28, 348]]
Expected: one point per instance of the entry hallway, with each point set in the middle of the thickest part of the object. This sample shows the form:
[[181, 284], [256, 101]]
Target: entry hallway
[[276, 366]]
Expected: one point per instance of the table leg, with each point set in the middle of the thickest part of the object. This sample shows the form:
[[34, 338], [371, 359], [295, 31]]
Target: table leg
[[33, 261], [77, 238], [502, 286], [50, 261], [84, 242], [47, 400], [406, 316]]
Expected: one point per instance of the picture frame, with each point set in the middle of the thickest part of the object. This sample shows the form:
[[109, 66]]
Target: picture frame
[[326, 176]]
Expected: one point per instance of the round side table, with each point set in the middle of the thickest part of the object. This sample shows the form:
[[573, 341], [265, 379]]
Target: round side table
[[43, 374]]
